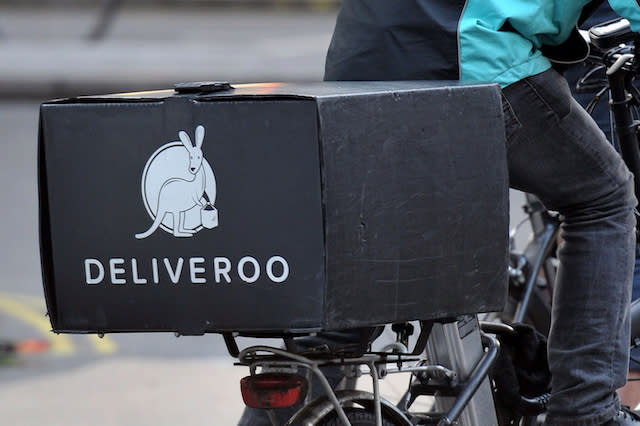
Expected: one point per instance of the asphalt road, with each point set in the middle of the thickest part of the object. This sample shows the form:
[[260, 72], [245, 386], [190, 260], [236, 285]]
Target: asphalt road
[[124, 379]]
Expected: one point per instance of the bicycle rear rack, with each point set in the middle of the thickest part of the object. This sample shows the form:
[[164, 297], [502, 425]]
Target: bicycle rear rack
[[429, 380]]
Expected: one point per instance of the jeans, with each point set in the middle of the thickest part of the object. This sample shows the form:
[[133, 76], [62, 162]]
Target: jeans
[[557, 152]]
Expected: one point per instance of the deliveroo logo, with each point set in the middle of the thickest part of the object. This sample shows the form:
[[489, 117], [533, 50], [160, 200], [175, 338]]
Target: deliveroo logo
[[179, 188]]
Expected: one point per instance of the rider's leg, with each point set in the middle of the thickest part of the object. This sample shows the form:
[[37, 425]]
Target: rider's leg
[[557, 152]]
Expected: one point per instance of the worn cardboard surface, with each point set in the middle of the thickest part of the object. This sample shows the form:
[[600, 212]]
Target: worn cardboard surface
[[281, 207]]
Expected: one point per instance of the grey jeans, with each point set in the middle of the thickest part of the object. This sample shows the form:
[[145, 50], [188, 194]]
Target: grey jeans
[[558, 153]]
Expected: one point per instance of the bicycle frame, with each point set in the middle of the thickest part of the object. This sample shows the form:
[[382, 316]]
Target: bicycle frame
[[534, 303]]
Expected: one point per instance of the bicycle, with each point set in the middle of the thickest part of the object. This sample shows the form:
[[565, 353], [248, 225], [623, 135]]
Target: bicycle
[[459, 354], [464, 354]]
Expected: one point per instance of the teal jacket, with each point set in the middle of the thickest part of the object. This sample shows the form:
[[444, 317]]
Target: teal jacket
[[481, 40]]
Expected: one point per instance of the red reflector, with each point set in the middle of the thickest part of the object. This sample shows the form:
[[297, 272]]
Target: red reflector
[[273, 390], [31, 346]]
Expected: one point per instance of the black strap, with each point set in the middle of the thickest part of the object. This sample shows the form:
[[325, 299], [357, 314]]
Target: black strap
[[588, 10]]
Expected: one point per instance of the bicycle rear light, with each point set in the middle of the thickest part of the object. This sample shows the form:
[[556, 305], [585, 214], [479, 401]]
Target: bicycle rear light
[[273, 390]]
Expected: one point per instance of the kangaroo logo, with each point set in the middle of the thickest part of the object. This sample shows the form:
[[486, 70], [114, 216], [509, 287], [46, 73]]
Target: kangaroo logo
[[179, 188]]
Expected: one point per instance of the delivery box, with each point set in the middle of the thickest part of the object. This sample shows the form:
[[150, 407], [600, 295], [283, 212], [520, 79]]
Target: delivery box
[[272, 208]]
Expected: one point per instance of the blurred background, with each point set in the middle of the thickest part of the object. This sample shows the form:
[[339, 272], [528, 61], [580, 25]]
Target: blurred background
[[64, 48]]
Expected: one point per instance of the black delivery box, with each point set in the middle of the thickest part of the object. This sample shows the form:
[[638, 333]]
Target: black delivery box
[[268, 208]]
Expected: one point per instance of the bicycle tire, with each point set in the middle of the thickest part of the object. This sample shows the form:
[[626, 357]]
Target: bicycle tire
[[356, 416]]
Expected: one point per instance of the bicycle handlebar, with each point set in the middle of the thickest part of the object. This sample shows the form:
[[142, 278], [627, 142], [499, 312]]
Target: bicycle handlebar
[[620, 61]]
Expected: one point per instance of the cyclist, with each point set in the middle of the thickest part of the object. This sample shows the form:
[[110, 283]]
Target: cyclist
[[554, 150]]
